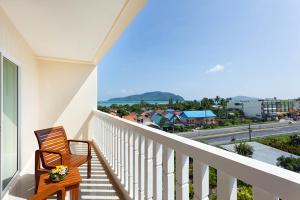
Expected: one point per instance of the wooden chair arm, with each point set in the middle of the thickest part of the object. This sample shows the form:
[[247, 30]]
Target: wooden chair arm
[[63, 157], [82, 141], [89, 143], [52, 189]]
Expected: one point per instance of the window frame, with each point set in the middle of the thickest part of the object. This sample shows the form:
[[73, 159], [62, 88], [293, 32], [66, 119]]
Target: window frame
[[16, 174]]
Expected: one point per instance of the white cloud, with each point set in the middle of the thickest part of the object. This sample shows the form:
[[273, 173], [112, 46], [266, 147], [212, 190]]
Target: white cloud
[[123, 91], [215, 69]]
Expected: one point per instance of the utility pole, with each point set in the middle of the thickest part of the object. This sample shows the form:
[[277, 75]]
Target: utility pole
[[250, 132]]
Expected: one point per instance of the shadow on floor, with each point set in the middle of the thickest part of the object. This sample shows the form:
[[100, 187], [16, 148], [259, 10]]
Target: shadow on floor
[[24, 186]]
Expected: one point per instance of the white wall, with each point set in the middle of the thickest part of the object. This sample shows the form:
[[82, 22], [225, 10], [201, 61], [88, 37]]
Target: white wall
[[15, 48], [68, 93]]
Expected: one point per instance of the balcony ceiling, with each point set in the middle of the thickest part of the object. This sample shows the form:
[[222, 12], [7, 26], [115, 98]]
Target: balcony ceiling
[[70, 29]]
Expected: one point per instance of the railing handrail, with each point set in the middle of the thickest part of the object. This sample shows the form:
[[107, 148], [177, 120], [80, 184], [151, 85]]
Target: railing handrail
[[270, 178]]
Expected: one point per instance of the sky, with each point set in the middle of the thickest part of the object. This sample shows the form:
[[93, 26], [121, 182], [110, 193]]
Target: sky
[[204, 48]]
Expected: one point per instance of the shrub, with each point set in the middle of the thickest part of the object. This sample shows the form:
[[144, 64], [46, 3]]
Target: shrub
[[244, 149], [244, 193], [284, 143], [295, 140], [289, 163], [212, 177]]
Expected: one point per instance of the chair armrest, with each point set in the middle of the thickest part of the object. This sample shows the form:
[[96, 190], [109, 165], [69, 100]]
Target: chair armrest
[[89, 143], [81, 141], [52, 189], [63, 156]]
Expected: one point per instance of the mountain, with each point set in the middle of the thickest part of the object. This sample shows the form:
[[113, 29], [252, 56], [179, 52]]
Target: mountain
[[150, 96], [242, 98]]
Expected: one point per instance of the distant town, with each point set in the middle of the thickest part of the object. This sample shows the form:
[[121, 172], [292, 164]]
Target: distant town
[[209, 113]]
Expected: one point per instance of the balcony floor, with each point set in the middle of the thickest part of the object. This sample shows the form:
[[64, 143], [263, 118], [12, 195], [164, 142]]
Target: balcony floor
[[99, 186]]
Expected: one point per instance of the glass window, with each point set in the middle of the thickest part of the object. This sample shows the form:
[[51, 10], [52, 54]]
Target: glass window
[[9, 152]]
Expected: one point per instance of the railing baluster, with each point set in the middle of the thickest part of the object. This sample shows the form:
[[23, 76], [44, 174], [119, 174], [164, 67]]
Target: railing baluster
[[122, 160], [109, 143], [182, 176], [227, 186], [126, 160], [148, 168], [200, 180], [259, 194], [112, 146], [135, 166], [115, 149], [157, 171], [141, 167], [105, 136], [168, 173], [130, 160], [119, 153]]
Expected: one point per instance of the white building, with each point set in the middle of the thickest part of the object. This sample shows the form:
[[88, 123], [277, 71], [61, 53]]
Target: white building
[[264, 108], [49, 51], [251, 107]]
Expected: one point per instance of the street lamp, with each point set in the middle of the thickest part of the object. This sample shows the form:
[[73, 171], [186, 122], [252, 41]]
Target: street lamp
[[250, 131]]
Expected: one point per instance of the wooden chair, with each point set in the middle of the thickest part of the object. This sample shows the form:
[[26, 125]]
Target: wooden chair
[[51, 190], [54, 149]]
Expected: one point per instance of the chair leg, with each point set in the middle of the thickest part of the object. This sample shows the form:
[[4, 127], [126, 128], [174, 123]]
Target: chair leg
[[89, 168], [61, 195]]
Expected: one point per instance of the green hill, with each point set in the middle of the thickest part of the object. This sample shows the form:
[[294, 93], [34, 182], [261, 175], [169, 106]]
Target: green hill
[[150, 96]]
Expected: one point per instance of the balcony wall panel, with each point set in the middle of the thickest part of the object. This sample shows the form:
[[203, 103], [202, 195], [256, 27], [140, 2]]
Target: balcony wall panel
[[15, 48]]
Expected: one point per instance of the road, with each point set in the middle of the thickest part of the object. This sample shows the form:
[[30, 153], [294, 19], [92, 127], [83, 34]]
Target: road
[[225, 135]]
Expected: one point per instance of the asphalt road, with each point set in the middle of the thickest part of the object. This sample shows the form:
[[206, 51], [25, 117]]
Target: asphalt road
[[225, 135], [232, 129], [225, 138]]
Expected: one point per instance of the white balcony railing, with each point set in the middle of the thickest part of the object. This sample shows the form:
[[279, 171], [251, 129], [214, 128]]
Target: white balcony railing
[[143, 160]]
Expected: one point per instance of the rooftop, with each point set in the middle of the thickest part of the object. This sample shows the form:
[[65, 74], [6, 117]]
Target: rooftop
[[197, 114]]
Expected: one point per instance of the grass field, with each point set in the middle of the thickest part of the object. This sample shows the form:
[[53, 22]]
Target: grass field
[[281, 142]]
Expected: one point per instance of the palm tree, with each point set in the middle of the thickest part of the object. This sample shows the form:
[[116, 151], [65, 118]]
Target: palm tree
[[223, 103], [244, 149], [205, 103], [217, 101]]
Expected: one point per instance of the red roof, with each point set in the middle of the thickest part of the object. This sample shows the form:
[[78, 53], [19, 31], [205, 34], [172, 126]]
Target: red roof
[[130, 118]]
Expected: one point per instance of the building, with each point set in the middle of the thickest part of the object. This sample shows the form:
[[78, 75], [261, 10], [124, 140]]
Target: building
[[251, 107], [265, 108], [158, 119], [49, 52], [198, 118]]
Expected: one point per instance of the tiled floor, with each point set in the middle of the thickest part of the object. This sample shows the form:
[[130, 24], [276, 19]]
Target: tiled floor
[[99, 185]]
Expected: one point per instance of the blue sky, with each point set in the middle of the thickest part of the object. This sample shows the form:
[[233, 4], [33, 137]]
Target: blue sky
[[204, 48]]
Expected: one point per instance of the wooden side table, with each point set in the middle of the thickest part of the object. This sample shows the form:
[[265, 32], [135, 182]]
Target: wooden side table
[[70, 183]]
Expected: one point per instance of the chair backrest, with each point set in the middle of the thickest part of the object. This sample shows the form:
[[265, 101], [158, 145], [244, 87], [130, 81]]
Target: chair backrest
[[52, 139]]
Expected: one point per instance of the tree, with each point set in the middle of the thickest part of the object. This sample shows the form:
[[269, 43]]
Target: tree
[[205, 103], [121, 112], [171, 101], [244, 149], [104, 109], [223, 103], [290, 163], [217, 100]]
